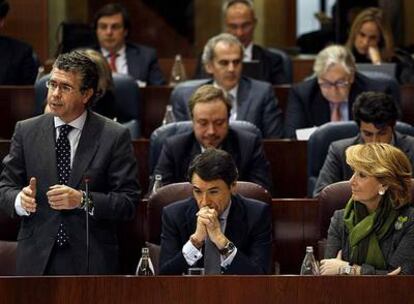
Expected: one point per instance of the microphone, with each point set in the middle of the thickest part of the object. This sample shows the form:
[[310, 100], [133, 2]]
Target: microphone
[[86, 180]]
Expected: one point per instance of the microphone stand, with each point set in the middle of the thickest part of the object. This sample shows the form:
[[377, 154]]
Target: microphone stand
[[86, 179]]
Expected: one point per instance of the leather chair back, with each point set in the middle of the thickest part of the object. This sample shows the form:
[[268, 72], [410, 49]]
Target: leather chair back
[[286, 62]]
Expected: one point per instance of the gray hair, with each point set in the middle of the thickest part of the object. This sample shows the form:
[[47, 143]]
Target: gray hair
[[230, 3], [334, 54], [229, 39]]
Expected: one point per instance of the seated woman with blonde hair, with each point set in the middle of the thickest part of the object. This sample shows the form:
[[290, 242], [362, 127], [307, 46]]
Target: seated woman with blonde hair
[[374, 234]]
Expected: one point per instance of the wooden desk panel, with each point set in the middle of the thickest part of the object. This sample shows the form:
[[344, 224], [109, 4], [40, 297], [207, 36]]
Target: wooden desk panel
[[302, 67], [208, 289], [288, 161]]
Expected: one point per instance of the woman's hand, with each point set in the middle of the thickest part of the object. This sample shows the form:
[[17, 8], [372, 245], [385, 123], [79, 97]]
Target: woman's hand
[[332, 266]]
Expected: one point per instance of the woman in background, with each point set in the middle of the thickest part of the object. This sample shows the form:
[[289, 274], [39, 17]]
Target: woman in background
[[374, 234], [371, 41]]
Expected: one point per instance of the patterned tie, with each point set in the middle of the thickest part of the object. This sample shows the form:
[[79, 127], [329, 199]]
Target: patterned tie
[[336, 112], [63, 170]]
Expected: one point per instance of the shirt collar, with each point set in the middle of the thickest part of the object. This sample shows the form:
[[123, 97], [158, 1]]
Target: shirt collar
[[233, 91], [225, 213], [78, 123], [120, 52], [248, 52]]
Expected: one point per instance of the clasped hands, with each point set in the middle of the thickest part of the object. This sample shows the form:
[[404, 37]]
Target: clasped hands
[[208, 224], [60, 197]]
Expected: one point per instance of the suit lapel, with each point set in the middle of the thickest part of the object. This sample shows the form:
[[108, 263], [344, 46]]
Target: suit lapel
[[190, 217], [132, 55], [48, 143], [87, 147], [236, 225], [244, 100]]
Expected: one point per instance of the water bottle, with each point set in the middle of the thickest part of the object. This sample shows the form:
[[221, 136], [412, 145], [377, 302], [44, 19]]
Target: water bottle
[[157, 183], [168, 116], [145, 267], [309, 265], [178, 73]]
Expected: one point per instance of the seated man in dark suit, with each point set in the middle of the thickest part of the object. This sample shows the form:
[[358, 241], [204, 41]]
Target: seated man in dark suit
[[376, 115], [112, 24], [17, 64], [240, 21], [330, 95], [44, 177], [218, 229], [210, 108], [252, 100]]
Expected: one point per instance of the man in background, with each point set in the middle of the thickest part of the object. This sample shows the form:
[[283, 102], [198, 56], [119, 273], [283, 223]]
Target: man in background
[[252, 100], [240, 20], [210, 110], [112, 25], [17, 60], [376, 115]]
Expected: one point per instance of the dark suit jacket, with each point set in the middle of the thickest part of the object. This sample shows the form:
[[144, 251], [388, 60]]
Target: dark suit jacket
[[245, 148], [308, 108], [336, 169], [17, 65], [255, 99], [270, 64], [142, 63], [105, 154], [248, 227]]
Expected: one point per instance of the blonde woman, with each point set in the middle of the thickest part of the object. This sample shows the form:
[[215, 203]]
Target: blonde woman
[[374, 234]]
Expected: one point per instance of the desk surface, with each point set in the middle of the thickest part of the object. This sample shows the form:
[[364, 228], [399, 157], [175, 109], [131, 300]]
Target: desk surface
[[229, 289]]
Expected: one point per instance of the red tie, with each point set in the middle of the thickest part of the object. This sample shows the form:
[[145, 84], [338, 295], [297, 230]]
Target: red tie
[[112, 61]]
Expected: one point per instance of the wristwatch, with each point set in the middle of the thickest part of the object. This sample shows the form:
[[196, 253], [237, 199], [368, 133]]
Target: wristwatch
[[85, 200], [347, 270], [228, 249]]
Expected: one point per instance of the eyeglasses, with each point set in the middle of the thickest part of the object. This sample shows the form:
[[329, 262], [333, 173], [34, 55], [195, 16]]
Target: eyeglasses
[[340, 84], [64, 88]]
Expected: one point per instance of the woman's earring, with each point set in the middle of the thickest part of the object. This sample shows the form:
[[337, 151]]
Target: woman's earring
[[381, 192]]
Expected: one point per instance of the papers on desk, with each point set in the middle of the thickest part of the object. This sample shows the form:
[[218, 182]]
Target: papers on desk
[[304, 134]]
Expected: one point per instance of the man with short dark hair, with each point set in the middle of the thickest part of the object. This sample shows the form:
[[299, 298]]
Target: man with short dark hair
[[17, 63], [112, 24], [240, 20], [224, 232], [376, 115], [252, 100], [51, 159], [210, 110]]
